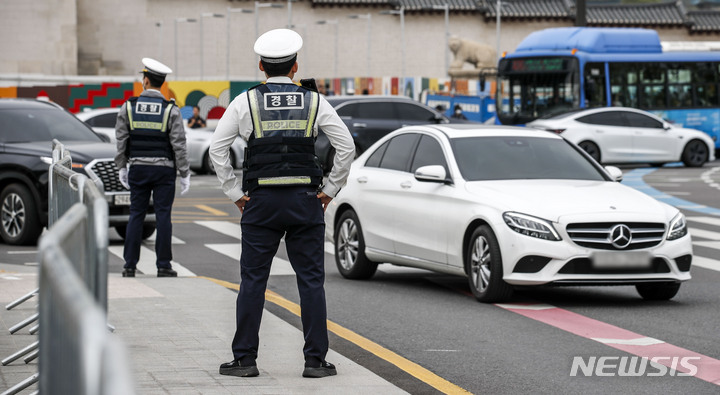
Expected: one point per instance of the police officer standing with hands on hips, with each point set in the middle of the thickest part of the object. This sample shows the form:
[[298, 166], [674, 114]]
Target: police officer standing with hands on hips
[[151, 140], [281, 195]]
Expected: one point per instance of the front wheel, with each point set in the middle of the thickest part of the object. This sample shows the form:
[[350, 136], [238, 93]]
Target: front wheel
[[484, 264], [695, 154], [592, 149], [658, 291], [350, 248], [20, 222]]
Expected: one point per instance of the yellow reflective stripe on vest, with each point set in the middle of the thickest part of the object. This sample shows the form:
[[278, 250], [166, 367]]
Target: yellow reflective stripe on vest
[[128, 107], [291, 124], [147, 125], [313, 112], [283, 180], [166, 116], [255, 113]]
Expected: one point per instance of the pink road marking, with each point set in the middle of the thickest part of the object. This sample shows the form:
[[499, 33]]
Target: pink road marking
[[708, 368]]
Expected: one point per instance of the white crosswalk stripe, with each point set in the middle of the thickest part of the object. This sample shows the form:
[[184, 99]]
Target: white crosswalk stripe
[[146, 263], [705, 220], [280, 267], [705, 234], [227, 228]]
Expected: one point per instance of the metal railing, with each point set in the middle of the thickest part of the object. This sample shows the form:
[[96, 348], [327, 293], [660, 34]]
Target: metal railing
[[77, 355], [76, 350]]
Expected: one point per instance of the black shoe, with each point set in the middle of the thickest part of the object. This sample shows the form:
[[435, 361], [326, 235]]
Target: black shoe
[[164, 272], [128, 272], [325, 369], [235, 369]]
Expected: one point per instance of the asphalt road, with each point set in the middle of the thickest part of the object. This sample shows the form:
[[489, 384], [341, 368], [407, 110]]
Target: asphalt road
[[433, 321]]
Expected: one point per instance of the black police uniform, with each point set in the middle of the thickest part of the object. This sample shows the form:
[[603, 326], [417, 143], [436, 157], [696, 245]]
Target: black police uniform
[[144, 131], [282, 177]]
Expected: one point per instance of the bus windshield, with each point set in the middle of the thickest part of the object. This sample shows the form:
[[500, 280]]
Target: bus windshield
[[530, 88]]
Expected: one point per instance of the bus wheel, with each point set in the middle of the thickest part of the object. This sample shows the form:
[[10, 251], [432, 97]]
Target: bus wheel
[[592, 149], [695, 154]]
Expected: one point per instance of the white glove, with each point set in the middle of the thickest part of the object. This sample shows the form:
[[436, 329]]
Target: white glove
[[184, 184], [123, 176]]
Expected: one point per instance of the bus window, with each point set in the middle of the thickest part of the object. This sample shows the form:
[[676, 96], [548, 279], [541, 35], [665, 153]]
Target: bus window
[[623, 84], [654, 96], [537, 86], [680, 85], [595, 85], [652, 78], [705, 77]]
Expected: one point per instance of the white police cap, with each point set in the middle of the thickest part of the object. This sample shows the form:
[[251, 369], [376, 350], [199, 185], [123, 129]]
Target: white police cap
[[278, 46], [152, 66]]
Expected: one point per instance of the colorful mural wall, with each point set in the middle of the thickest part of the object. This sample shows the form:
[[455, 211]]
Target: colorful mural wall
[[213, 97]]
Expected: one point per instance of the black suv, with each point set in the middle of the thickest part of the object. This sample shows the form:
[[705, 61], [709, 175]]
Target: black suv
[[369, 118], [27, 128]]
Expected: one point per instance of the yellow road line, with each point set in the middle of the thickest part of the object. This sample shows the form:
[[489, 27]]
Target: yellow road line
[[212, 210], [404, 364]]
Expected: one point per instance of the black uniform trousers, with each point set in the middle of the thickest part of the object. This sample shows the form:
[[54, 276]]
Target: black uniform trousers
[[159, 181], [270, 214]]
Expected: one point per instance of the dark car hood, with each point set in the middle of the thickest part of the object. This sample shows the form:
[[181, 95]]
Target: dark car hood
[[80, 151]]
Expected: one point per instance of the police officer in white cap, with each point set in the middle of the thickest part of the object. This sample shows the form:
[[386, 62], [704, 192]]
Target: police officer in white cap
[[151, 151], [281, 195]]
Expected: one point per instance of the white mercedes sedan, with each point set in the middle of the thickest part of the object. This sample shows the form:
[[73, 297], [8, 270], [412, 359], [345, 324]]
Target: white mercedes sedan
[[505, 207]]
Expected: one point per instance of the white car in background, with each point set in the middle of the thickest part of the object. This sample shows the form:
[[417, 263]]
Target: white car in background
[[102, 121], [628, 135], [505, 207]]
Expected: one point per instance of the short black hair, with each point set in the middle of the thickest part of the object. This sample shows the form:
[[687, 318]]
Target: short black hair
[[155, 80], [278, 69]]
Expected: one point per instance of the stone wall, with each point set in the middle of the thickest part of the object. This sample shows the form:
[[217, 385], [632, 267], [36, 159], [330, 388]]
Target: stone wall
[[38, 37], [110, 37]]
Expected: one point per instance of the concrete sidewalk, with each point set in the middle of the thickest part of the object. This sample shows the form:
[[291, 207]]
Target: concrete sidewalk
[[177, 332]]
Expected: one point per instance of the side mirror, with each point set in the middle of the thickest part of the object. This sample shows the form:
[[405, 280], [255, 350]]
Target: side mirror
[[103, 137], [667, 126], [614, 173], [439, 118], [433, 173]]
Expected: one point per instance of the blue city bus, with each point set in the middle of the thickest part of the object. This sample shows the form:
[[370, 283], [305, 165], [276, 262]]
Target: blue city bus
[[553, 70]]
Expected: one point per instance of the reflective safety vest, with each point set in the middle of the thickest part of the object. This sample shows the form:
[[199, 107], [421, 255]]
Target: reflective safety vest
[[148, 123], [281, 149]]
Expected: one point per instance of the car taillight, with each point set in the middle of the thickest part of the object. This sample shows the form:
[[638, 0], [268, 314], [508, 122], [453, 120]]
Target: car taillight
[[557, 131]]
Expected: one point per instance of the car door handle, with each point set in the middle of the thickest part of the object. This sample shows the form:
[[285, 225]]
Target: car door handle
[[359, 125], [362, 180], [406, 184]]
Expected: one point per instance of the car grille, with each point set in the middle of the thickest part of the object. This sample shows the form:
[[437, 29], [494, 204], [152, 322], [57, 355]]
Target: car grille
[[106, 170], [585, 266], [598, 235]]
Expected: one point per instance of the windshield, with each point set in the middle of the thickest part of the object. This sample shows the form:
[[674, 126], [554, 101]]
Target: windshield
[[530, 88], [24, 125], [513, 158]]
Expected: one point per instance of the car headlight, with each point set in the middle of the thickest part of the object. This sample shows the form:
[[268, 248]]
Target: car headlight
[[531, 226], [678, 227]]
